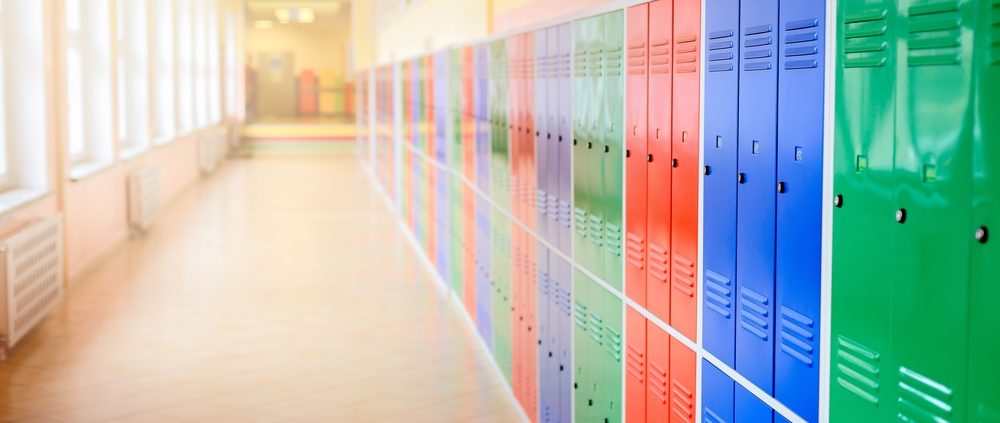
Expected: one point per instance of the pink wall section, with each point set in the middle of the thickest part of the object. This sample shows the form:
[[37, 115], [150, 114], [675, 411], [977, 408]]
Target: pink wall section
[[95, 207], [539, 11]]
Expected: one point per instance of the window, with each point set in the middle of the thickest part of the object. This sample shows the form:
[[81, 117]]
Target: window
[[214, 66], [88, 82], [185, 66], [165, 117], [201, 48], [133, 83], [4, 153], [232, 68]]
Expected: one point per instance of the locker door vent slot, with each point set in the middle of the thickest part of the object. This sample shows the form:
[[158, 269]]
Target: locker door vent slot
[[637, 59], [922, 398], [683, 275], [613, 344], [613, 61], [711, 417], [718, 293], [635, 246], [658, 262], [580, 315], [596, 328], [858, 369], [686, 54], [659, 57], [797, 337], [722, 52], [682, 401], [613, 239], [758, 55], [635, 363], [657, 381], [934, 34], [865, 41], [995, 36], [753, 313], [580, 217], [801, 42], [595, 229]]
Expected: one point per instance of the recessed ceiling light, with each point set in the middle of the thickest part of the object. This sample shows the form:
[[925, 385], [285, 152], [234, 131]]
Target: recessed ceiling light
[[263, 24]]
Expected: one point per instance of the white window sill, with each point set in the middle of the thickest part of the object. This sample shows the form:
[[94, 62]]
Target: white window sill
[[17, 197], [129, 153], [164, 140], [84, 170]]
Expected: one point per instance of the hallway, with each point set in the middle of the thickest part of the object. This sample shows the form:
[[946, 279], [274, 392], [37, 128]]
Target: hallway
[[280, 289]]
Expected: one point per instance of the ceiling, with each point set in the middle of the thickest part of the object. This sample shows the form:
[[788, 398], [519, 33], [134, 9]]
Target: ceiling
[[326, 11]]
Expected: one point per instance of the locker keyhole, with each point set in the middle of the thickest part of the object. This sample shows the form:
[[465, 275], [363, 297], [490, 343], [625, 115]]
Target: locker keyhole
[[548, 136], [741, 177], [982, 235], [628, 153], [781, 187], [560, 138], [590, 145], [708, 170], [649, 158], [673, 163], [838, 201], [574, 141], [901, 215], [607, 148]]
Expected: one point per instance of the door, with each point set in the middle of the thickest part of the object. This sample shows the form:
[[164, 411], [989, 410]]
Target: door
[[613, 144], [658, 156], [635, 366], [635, 153]]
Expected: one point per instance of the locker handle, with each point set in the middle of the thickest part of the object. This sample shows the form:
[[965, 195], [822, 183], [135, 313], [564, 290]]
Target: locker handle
[[574, 141], [741, 178], [901, 215], [607, 148], [548, 136], [649, 158], [590, 145], [673, 163], [628, 153], [838, 201], [781, 187], [708, 170], [560, 138], [983, 234]]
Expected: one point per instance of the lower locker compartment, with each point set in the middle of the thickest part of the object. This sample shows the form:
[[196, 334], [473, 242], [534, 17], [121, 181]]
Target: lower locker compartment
[[635, 367], [717, 392], [750, 409]]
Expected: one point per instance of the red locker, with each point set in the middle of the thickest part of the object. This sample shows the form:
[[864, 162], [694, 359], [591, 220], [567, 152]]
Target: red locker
[[408, 139], [308, 93], [659, 169], [657, 373], [686, 147], [431, 229], [683, 368], [635, 367], [468, 196], [636, 99]]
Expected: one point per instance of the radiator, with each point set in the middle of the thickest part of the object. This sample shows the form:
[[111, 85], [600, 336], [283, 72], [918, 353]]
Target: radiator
[[32, 277], [143, 197], [213, 145]]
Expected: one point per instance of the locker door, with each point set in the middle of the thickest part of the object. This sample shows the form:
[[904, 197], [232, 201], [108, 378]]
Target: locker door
[[635, 155], [430, 139], [610, 351], [755, 219], [546, 339], [718, 395], [658, 386], [501, 297], [658, 156], [549, 136], [613, 142], [456, 223], [583, 251], [683, 369], [984, 345], [443, 179], [469, 165], [635, 366], [933, 183], [722, 21], [564, 93], [563, 348], [594, 138], [583, 379], [799, 206], [750, 409], [862, 359], [686, 143], [541, 127]]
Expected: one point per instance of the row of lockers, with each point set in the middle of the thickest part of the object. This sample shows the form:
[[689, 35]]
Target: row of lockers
[[565, 128]]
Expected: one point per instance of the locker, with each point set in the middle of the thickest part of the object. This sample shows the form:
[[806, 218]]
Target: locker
[[583, 357], [468, 122], [547, 341], [606, 329], [659, 389], [683, 377], [442, 144], [541, 127], [484, 291], [612, 94], [637, 27], [757, 179], [549, 135], [658, 156], [430, 141], [502, 329], [749, 408], [564, 89], [453, 117], [984, 346], [565, 324], [406, 205], [798, 276], [584, 251], [722, 26], [685, 142], [635, 360], [718, 393]]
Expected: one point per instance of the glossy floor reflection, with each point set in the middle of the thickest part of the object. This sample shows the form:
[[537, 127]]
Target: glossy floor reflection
[[280, 289]]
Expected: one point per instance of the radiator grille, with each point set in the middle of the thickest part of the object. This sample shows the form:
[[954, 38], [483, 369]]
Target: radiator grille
[[33, 260], [144, 197]]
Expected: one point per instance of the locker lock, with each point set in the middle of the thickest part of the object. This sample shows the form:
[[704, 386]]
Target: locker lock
[[607, 148], [708, 170], [673, 162], [548, 136], [574, 141], [560, 138], [901, 215], [536, 133], [590, 145], [741, 177], [628, 153], [838, 201], [982, 235], [781, 187], [649, 158]]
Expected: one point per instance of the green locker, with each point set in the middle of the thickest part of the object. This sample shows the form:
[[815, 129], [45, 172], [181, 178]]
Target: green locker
[[612, 139], [584, 376], [609, 363], [502, 300], [903, 180], [984, 323], [501, 229], [455, 160], [583, 171]]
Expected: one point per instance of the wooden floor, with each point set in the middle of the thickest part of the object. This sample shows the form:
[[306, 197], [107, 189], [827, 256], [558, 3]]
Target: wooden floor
[[278, 290]]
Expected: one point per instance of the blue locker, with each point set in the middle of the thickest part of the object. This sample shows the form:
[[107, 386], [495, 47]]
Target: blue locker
[[419, 182], [757, 178], [541, 144], [717, 395], [799, 205], [561, 91], [484, 290], [750, 409], [722, 23], [442, 200]]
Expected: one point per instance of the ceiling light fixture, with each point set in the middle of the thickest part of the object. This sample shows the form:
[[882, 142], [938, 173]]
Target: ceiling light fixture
[[263, 24]]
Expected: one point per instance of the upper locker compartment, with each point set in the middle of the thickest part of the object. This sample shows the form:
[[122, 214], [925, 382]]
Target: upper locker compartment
[[722, 20], [583, 249], [757, 178], [659, 151], [685, 141], [613, 153], [984, 323], [801, 67], [637, 27]]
